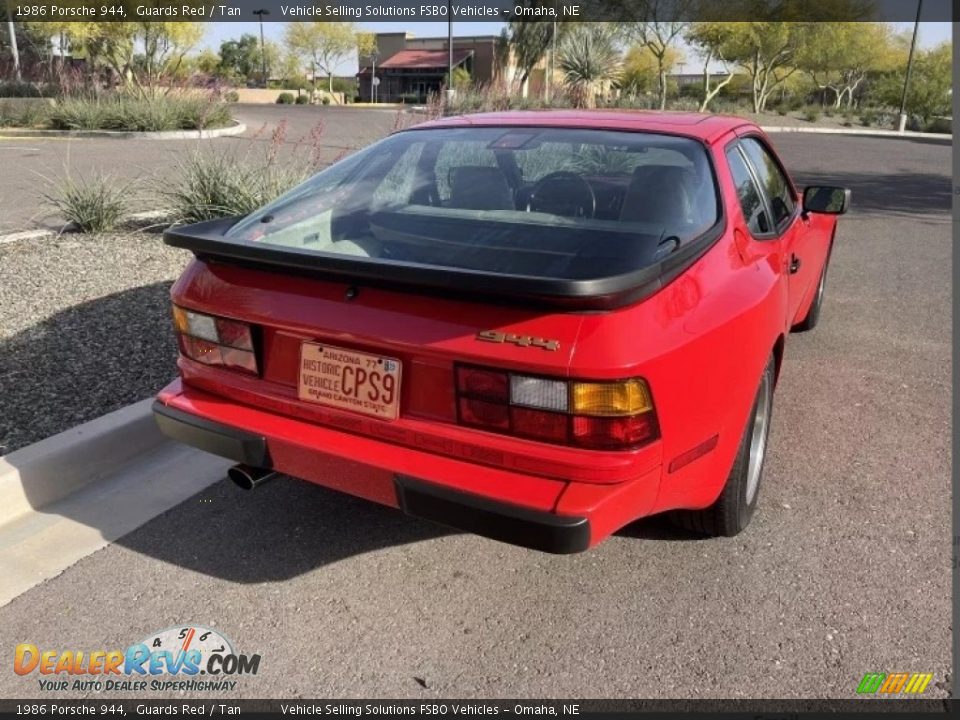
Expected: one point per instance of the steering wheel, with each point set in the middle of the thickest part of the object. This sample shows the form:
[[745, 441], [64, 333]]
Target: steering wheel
[[563, 193]]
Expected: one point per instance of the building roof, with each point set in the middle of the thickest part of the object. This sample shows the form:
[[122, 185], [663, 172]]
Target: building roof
[[424, 59], [705, 127]]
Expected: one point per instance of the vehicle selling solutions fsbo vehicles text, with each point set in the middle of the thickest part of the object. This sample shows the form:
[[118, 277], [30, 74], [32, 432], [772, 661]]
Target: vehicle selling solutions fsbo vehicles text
[[427, 10]]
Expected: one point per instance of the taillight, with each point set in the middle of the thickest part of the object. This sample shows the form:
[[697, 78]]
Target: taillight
[[215, 340], [600, 415]]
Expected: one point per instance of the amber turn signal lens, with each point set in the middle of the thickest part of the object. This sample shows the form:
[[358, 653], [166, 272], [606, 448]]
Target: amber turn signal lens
[[626, 397], [180, 322]]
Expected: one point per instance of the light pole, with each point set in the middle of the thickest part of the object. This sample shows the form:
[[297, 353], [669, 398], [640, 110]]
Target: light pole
[[263, 46], [373, 76], [906, 80], [14, 52], [449, 50], [551, 66]]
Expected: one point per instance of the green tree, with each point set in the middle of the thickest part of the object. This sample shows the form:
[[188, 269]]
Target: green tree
[[207, 62], [322, 45], [241, 58], [838, 57], [931, 84], [660, 29], [589, 59], [523, 44], [767, 52], [162, 47], [711, 39], [641, 69]]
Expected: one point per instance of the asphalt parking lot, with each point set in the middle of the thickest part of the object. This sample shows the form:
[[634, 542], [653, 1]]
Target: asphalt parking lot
[[139, 163], [845, 569]]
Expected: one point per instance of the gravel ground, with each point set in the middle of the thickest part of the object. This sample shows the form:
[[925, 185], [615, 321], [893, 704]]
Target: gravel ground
[[84, 329]]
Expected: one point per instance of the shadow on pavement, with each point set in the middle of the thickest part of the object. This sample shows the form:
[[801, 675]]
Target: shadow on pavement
[[910, 194], [278, 531]]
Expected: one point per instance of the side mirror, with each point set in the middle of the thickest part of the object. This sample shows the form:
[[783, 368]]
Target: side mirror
[[825, 199]]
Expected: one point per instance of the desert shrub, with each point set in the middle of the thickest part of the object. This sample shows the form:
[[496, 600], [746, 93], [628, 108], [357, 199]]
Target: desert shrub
[[119, 112], [14, 89], [24, 114], [285, 98], [93, 204], [939, 125], [811, 114], [302, 99], [325, 100], [217, 184], [347, 86], [684, 104], [231, 96]]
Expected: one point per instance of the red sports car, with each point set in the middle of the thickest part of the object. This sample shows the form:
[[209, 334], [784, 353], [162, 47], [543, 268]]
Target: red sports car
[[534, 326]]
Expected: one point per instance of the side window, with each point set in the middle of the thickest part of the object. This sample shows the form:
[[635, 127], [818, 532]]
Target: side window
[[748, 193], [772, 179]]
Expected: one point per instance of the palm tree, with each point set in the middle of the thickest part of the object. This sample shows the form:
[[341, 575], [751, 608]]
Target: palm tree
[[589, 59]]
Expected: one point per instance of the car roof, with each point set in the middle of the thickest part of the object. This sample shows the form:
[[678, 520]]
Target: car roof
[[702, 126]]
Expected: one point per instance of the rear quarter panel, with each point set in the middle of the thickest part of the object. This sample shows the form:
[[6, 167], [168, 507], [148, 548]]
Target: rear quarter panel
[[701, 343]]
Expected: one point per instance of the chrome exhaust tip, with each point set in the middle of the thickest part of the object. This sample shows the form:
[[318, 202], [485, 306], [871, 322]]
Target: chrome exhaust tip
[[248, 478]]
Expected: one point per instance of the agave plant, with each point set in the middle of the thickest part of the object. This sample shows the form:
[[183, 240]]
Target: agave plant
[[590, 60]]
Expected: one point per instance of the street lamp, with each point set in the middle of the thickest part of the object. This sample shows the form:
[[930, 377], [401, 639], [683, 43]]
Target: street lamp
[[449, 50], [906, 80], [263, 46], [373, 75], [13, 44]]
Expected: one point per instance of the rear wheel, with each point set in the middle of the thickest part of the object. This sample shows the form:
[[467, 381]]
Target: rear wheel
[[732, 511]]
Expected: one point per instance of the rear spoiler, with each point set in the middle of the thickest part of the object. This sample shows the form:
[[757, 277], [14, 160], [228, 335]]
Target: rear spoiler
[[207, 241]]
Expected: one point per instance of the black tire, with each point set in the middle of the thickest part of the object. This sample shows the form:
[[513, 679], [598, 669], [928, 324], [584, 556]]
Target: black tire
[[732, 511], [813, 314]]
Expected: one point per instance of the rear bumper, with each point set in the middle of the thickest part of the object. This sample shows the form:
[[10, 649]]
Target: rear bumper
[[541, 513], [475, 514], [511, 524], [212, 437]]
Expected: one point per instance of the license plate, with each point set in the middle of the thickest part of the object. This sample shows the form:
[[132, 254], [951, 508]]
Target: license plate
[[350, 380]]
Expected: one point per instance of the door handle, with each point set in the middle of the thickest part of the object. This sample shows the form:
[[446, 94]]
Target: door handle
[[794, 263]]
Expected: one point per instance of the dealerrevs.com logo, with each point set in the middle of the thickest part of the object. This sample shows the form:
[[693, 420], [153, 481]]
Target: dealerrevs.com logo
[[183, 658]]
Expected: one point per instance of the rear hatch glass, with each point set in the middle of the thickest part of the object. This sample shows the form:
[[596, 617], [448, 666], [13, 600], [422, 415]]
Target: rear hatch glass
[[568, 207]]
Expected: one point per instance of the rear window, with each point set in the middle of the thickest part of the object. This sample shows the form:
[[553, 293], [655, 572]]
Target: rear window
[[540, 202]]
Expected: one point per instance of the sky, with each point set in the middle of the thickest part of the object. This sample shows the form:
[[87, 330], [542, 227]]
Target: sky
[[931, 33]]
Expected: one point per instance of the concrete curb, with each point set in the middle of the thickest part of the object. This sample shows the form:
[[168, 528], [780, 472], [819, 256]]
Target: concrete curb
[[47, 471], [908, 134], [237, 128], [134, 221], [43, 543], [72, 494]]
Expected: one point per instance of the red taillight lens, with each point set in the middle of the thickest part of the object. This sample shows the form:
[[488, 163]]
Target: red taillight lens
[[481, 413], [614, 432], [488, 384], [603, 415], [539, 424], [215, 341]]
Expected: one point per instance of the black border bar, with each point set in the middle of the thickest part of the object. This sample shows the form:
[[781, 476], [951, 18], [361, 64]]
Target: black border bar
[[467, 11]]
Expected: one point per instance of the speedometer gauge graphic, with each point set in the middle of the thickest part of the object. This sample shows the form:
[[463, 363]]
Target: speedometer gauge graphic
[[184, 638]]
